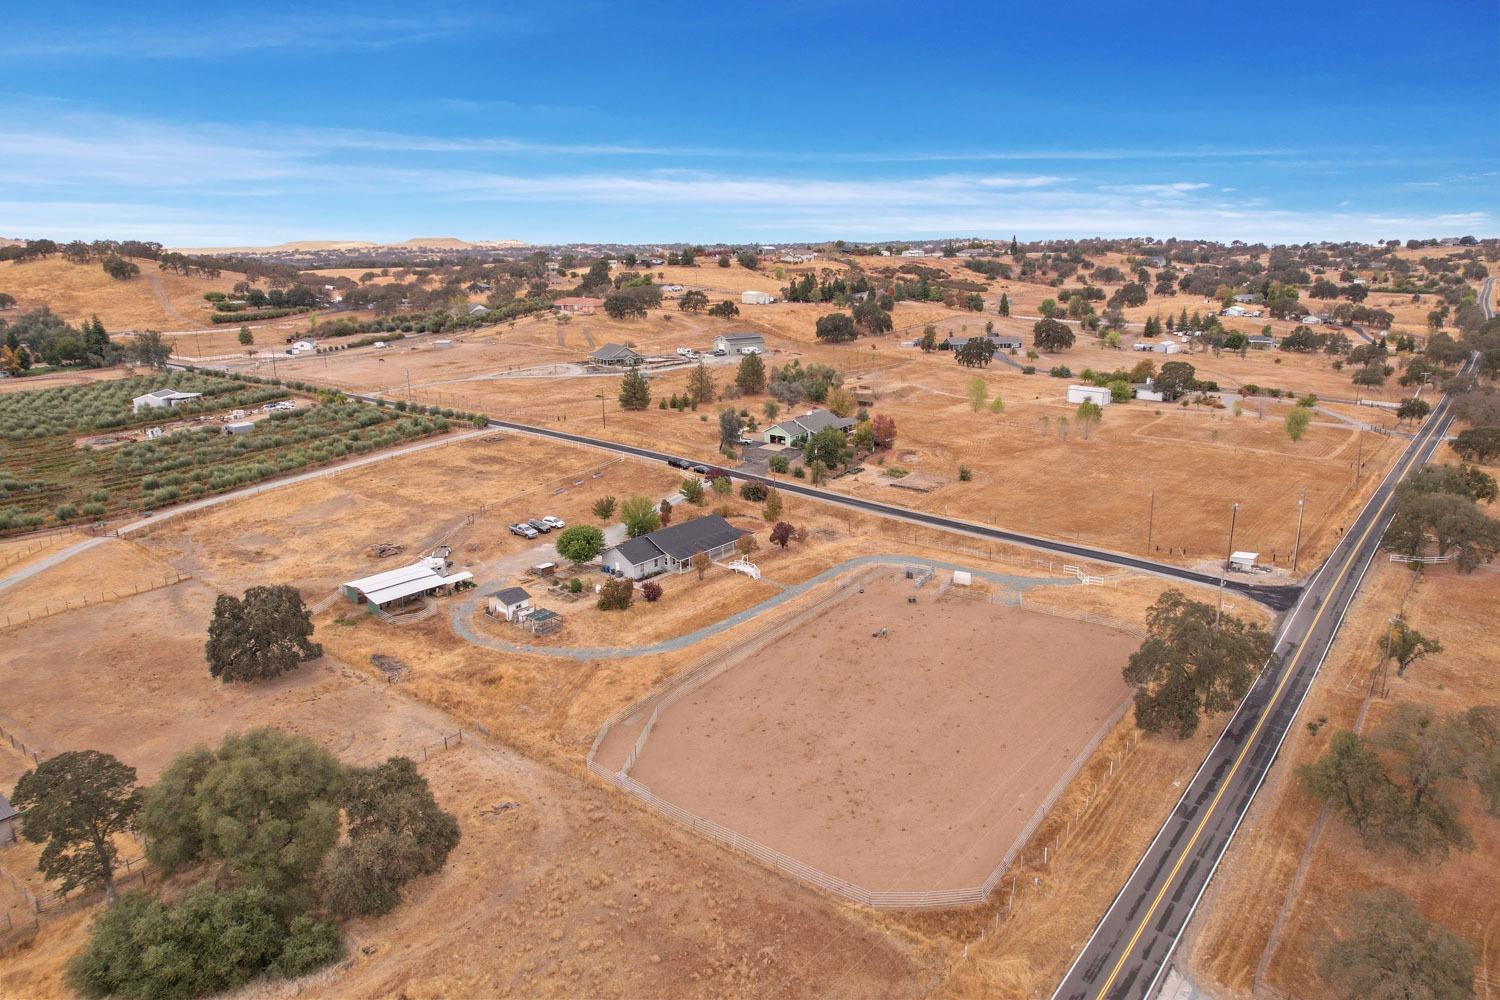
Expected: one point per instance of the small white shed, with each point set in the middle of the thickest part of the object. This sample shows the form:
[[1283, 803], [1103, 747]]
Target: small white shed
[[1243, 562], [756, 298], [510, 603], [1089, 394]]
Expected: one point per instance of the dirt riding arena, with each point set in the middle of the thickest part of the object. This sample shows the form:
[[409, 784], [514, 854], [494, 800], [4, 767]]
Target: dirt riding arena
[[898, 763]]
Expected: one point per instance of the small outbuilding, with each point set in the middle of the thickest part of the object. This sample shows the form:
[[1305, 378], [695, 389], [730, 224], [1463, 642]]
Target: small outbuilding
[[739, 343], [509, 603], [754, 298], [8, 816], [1089, 394], [397, 586], [1243, 562], [162, 399], [239, 427]]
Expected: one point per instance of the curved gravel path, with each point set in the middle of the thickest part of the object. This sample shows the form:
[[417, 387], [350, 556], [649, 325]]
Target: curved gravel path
[[465, 611]]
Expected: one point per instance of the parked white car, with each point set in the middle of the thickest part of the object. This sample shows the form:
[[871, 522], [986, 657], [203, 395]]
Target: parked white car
[[554, 522]]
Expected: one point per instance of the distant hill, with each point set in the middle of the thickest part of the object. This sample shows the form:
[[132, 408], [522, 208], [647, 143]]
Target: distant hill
[[416, 242], [157, 299]]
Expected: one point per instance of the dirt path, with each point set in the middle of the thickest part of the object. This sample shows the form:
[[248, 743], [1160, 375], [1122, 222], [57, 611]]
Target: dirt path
[[154, 281]]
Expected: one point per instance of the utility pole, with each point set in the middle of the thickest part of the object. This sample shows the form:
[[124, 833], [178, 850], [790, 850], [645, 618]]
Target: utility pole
[[603, 421], [1359, 455], [1150, 521], [1297, 545], [408, 387], [1234, 514]]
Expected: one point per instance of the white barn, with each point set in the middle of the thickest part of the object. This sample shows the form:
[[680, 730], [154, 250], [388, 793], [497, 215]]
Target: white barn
[[395, 586], [1089, 394], [739, 343], [753, 298], [162, 399]]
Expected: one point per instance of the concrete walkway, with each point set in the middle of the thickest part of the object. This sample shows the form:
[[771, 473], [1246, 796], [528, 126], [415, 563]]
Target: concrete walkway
[[464, 612]]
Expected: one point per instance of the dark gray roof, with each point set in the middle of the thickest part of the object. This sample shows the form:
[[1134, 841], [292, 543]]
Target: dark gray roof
[[512, 595], [613, 352], [6, 809], [742, 337], [681, 541], [817, 420]]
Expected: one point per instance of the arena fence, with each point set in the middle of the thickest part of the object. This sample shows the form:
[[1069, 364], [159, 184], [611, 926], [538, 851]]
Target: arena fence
[[668, 693]]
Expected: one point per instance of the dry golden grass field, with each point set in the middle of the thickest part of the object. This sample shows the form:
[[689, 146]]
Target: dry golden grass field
[[155, 300], [1289, 866]]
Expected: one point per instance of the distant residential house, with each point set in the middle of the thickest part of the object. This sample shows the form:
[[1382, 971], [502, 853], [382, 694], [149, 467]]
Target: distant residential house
[[1164, 347], [1148, 391], [478, 310], [162, 399], [616, 354], [740, 343], [1089, 394], [1002, 341], [577, 305], [754, 298], [671, 549], [1250, 298], [1155, 261], [1261, 342], [795, 430], [797, 258], [914, 252], [1314, 320]]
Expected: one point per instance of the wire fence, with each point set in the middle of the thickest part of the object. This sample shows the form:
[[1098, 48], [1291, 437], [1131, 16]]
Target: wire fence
[[103, 597], [673, 690], [18, 745]]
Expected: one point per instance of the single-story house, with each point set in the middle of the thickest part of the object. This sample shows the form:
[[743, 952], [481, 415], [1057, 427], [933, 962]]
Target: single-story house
[[616, 354], [394, 586], [1261, 342], [753, 298], [740, 343], [1312, 320], [1148, 391], [1002, 341], [160, 399], [794, 430], [1243, 562], [478, 309], [1089, 394], [509, 602], [671, 549], [8, 816], [1165, 347], [1250, 298], [578, 305]]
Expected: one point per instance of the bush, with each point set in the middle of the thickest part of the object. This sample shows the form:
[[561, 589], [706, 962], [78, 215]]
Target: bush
[[67, 512], [651, 591], [779, 464], [754, 492], [575, 586], [965, 474], [616, 594]]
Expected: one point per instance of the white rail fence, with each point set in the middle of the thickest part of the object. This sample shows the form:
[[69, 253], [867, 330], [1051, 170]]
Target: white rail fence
[[673, 690]]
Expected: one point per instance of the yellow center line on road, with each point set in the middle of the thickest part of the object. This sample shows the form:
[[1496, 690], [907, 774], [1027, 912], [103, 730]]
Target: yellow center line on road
[[1286, 677]]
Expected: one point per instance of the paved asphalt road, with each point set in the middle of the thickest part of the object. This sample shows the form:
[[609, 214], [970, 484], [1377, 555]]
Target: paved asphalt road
[[1128, 951]]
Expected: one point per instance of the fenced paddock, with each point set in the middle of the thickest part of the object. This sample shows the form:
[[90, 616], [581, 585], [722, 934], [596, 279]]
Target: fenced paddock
[[899, 771]]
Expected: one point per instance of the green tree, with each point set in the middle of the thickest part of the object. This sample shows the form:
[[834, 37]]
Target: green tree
[[724, 310], [929, 340], [692, 301], [692, 491], [639, 516], [975, 353], [1088, 416], [829, 446], [1387, 949], [604, 508], [397, 832], [263, 635], [1478, 444], [751, 376], [1051, 335], [208, 942], [836, 328], [1350, 778], [73, 804], [149, 349], [700, 385], [625, 304], [580, 543], [730, 426], [1193, 662], [1428, 753], [1297, 420], [772, 510], [1175, 378], [635, 394], [1004, 304], [266, 803], [1406, 645], [1413, 409], [1452, 522], [978, 391], [246, 337]]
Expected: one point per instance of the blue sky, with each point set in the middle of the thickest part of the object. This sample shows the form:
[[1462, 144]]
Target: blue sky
[[818, 119]]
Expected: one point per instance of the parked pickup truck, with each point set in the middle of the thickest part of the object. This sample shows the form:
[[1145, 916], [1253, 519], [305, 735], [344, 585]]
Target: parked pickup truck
[[524, 530]]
